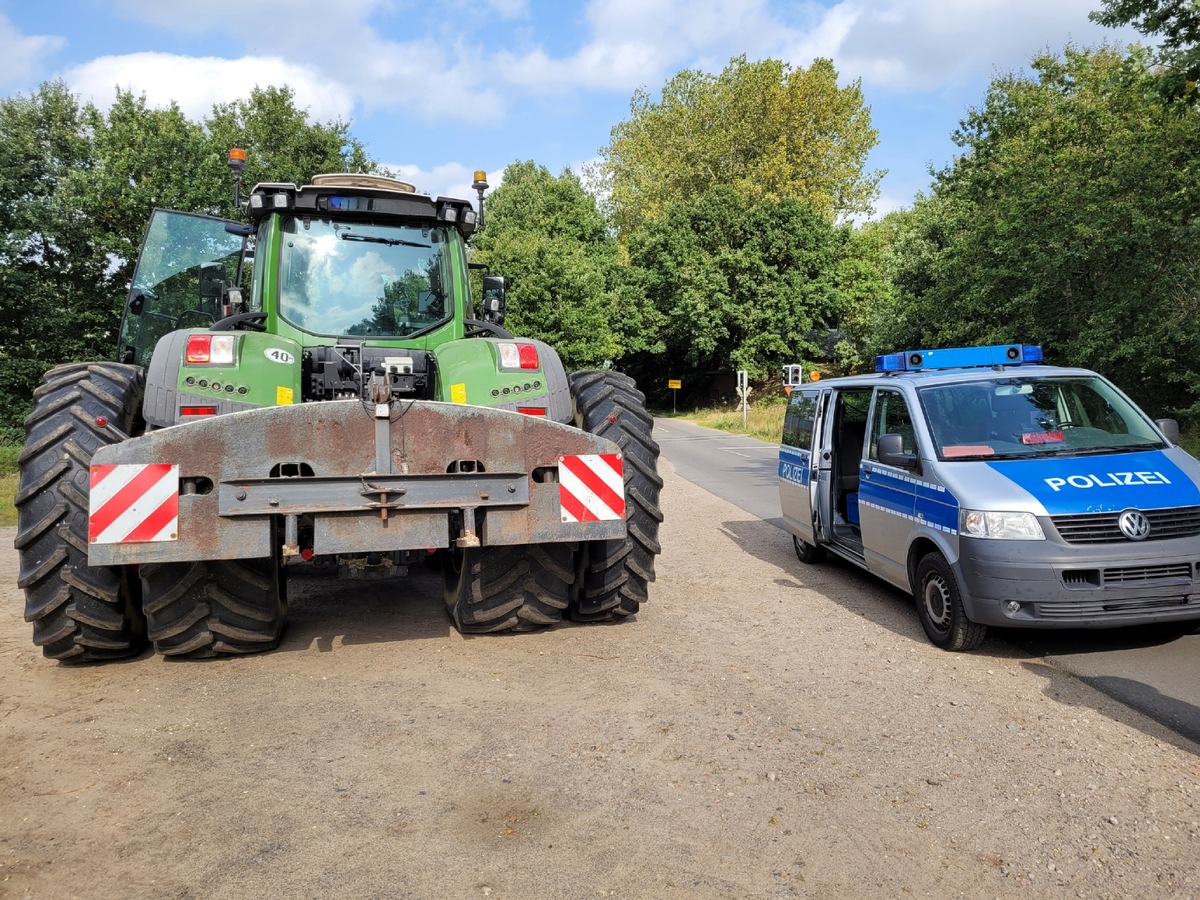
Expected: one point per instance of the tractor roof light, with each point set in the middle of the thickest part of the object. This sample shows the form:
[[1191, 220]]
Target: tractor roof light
[[237, 160]]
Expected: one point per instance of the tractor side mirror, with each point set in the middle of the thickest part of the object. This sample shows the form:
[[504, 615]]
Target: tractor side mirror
[[212, 283], [491, 307]]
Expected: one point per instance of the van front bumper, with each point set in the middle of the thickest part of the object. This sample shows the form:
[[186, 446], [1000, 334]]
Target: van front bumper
[[1056, 585]]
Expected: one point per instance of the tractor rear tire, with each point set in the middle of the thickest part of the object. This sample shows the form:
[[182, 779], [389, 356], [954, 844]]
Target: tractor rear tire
[[217, 608], [614, 576], [80, 613], [516, 587]]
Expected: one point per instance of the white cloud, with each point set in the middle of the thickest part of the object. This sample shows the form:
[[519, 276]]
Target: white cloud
[[22, 58], [196, 83], [431, 77], [454, 64], [643, 42], [914, 45]]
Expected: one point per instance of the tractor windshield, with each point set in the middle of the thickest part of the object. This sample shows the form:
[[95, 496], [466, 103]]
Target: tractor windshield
[[339, 278]]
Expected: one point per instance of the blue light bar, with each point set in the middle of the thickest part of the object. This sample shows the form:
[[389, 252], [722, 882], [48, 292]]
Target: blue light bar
[[959, 358]]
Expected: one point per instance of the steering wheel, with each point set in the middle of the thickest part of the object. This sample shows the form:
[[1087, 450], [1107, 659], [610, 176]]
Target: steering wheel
[[251, 321]]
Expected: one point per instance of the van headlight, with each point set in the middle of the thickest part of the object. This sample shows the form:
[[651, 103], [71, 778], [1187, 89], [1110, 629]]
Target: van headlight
[[1006, 526]]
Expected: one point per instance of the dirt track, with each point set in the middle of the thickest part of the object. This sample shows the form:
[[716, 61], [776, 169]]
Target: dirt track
[[762, 730]]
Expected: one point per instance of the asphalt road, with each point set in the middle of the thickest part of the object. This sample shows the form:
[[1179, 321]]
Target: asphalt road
[[1155, 670]]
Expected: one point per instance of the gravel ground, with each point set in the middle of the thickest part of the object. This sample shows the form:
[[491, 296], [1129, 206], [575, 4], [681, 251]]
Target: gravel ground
[[761, 729]]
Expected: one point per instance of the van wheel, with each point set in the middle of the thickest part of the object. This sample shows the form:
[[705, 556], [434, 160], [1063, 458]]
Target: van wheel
[[939, 604], [807, 553]]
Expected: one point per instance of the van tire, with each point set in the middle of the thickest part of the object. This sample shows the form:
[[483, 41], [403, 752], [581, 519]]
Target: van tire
[[807, 553], [940, 607]]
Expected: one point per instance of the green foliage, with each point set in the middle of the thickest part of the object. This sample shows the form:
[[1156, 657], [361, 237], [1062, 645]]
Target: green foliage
[[736, 284], [281, 144], [53, 266], [548, 239], [1177, 64], [767, 131], [1070, 221]]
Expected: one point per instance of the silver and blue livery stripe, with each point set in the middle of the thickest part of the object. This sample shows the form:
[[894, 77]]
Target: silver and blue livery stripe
[[909, 498]]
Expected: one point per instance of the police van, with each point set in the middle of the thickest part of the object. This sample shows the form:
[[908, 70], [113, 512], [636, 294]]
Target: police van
[[997, 490]]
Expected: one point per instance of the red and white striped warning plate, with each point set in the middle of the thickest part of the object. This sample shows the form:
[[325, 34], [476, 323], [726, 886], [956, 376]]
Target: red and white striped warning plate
[[133, 504], [591, 487]]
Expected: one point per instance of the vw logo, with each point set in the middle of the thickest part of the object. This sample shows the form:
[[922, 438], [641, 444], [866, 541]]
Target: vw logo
[[1134, 525]]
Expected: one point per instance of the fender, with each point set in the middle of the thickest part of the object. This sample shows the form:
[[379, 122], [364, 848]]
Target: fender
[[266, 372], [479, 379]]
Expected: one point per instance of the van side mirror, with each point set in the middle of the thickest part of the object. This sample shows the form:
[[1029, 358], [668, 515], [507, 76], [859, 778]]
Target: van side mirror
[[491, 307], [891, 452], [1169, 428]]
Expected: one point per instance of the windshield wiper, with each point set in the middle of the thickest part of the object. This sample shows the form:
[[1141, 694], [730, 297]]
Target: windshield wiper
[[1119, 448], [391, 242]]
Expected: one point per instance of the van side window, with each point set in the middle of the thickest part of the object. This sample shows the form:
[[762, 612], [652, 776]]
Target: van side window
[[798, 421], [891, 416]]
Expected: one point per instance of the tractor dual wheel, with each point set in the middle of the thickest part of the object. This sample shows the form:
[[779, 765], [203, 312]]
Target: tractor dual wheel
[[225, 607], [516, 587], [613, 576], [79, 613]]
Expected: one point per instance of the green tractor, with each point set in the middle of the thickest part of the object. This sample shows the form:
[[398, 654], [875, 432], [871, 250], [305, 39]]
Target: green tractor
[[318, 387]]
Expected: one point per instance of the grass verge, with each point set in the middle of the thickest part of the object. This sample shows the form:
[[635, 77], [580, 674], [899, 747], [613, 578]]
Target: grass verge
[[8, 484], [764, 421]]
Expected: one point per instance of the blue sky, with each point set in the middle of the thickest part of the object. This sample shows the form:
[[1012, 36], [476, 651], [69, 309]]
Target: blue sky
[[438, 89]]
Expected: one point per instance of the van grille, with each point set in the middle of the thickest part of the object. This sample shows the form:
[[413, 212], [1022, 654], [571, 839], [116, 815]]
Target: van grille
[[1129, 576], [1115, 609], [1180, 573], [1101, 528]]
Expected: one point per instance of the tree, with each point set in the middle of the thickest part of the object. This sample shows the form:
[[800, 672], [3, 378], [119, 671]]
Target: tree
[[281, 143], [546, 236], [1070, 220], [1178, 23], [51, 263], [766, 130], [143, 158], [736, 285]]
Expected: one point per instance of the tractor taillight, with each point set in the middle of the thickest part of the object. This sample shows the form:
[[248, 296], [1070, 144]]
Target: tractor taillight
[[518, 356], [197, 411], [210, 349], [531, 410]]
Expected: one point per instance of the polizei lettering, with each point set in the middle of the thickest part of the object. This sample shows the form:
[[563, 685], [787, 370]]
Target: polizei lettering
[[1108, 479]]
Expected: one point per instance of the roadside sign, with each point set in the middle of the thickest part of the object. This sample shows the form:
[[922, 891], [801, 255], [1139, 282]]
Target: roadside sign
[[674, 383]]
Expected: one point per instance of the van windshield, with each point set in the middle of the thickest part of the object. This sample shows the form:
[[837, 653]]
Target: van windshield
[[361, 279], [1034, 417]]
